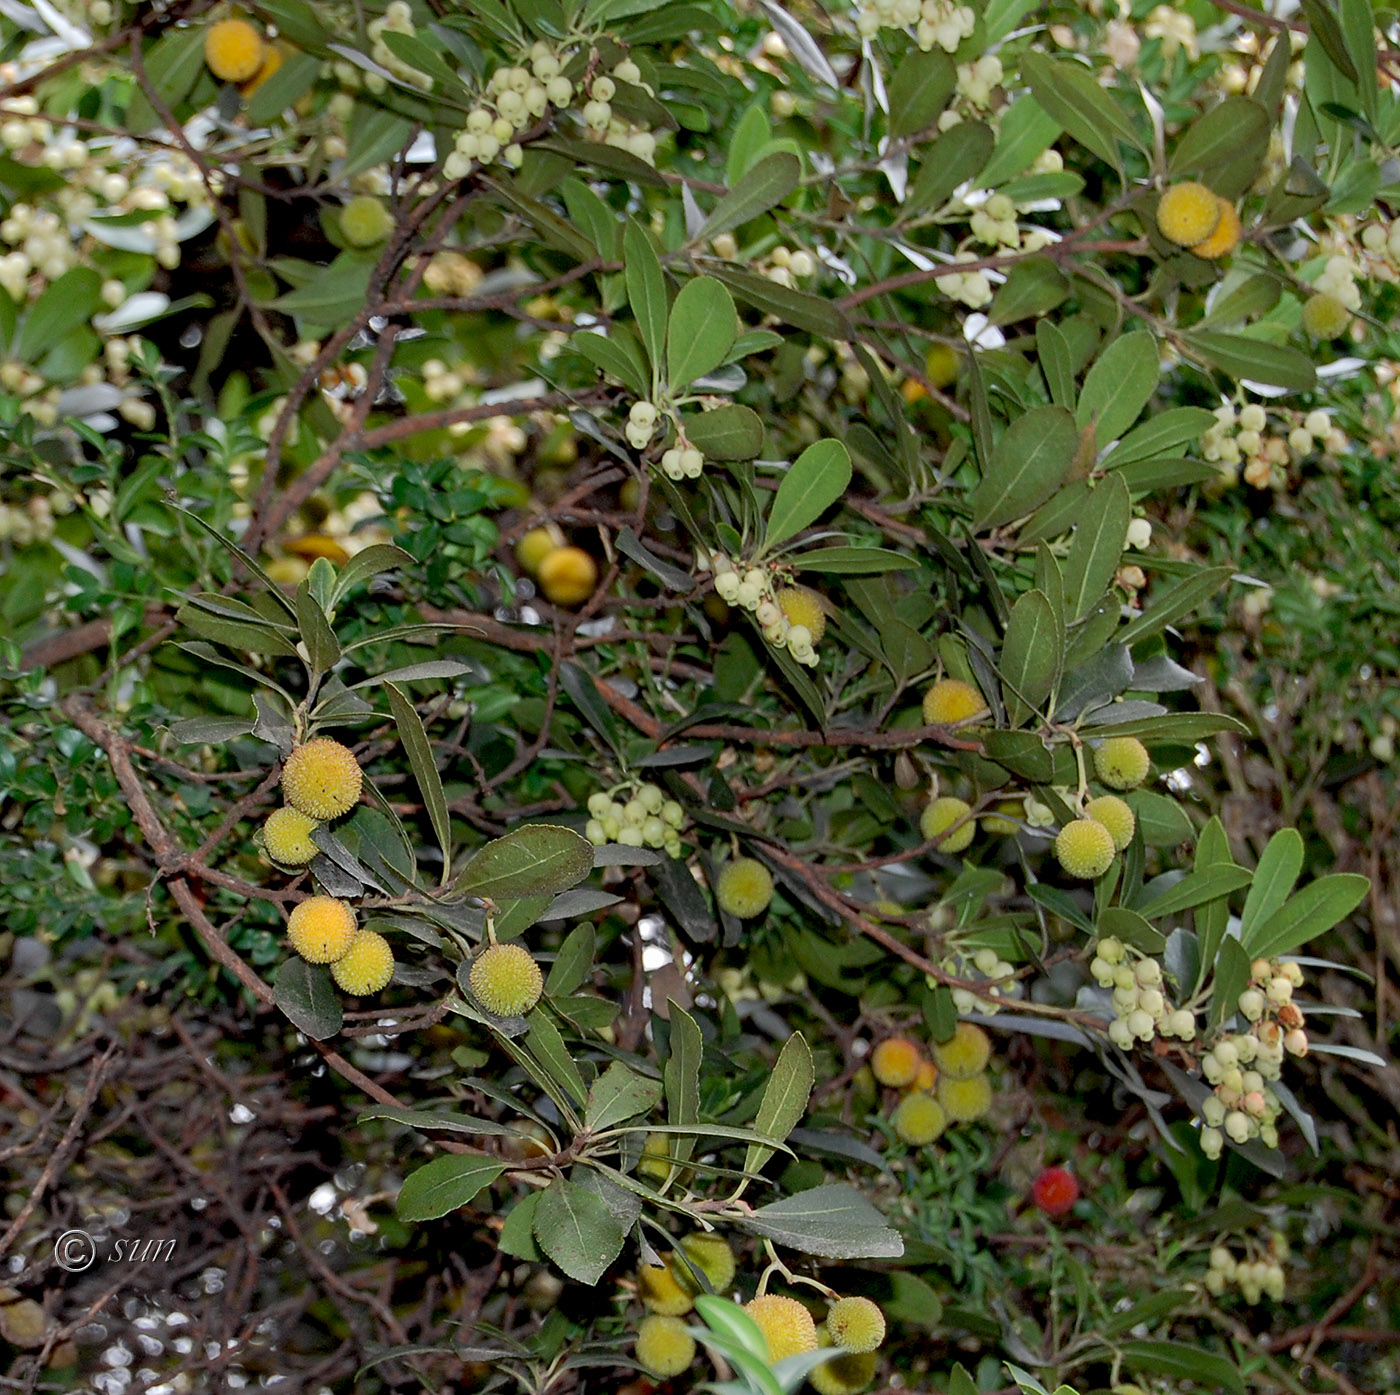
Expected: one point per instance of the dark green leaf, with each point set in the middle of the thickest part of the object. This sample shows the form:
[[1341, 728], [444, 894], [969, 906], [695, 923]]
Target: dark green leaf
[[1032, 655], [730, 432], [1274, 880], [646, 291], [784, 1100], [316, 633], [1314, 910], [537, 859], [766, 185], [575, 1228], [919, 91], [702, 327], [1119, 386], [1027, 465], [444, 1185], [955, 157], [815, 481], [420, 759], [853, 561], [617, 1095], [307, 996], [1097, 549], [1243, 357], [833, 1221]]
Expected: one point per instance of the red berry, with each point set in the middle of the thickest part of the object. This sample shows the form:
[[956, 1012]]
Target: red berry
[[1055, 1191]]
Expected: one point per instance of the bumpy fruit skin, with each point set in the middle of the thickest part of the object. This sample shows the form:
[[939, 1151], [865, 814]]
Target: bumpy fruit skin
[[1188, 213], [803, 606], [1122, 762], [951, 701], [896, 1061], [536, 545], [1084, 848], [287, 837], [918, 1119], [856, 1324], [965, 1100], [1115, 815], [568, 576], [744, 888], [1055, 1190], [322, 779], [321, 929], [506, 980], [365, 221], [1324, 316], [942, 814], [1226, 236], [965, 1053], [786, 1324], [664, 1346], [366, 967], [711, 1255], [662, 1291], [847, 1374], [233, 49]]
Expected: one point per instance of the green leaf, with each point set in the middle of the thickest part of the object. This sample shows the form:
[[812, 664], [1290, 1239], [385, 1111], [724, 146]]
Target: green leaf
[[316, 633], [853, 561], [815, 314], [1183, 599], [1071, 94], [1195, 889], [833, 1221], [765, 186], [1182, 728], [577, 1231], [425, 772], [1119, 386], [1177, 1359], [646, 291], [1162, 432], [919, 91], [1032, 287], [730, 432], [1217, 139], [199, 730], [307, 996], [410, 673], [815, 481], [1255, 295], [1057, 365], [1161, 821], [612, 356], [1243, 357], [1032, 655], [537, 859], [1097, 548], [381, 557], [1026, 467], [1274, 880], [1323, 27], [574, 962], [425, 1120], [619, 1094], [681, 1078], [444, 1185], [954, 158], [703, 326], [66, 303], [1132, 928], [332, 295], [784, 1100], [1023, 753], [1024, 132], [1317, 908], [256, 637], [517, 1237]]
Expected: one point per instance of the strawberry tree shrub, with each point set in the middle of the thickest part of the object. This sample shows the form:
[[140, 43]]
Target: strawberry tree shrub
[[674, 498]]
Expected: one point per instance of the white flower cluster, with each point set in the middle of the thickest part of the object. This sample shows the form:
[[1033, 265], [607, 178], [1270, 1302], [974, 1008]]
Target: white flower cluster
[[642, 421], [1381, 244], [1142, 1008], [1338, 279], [995, 223], [984, 964], [976, 80], [752, 588], [638, 815], [1244, 435], [31, 522], [1254, 1278], [937, 23], [396, 19], [973, 288], [682, 462]]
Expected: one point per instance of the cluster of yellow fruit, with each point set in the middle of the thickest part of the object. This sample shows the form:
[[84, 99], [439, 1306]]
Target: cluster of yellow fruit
[[791, 617], [237, 51], [1191, 215], [566, 575], [506, 980], [1253, 1277], [1086, 846], [951, 1088], [1240, 1065], [1141, 1006], [322, 780], [638, 815]]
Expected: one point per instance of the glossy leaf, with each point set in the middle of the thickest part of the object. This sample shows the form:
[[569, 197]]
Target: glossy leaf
[[444, 1185], [815, 481]]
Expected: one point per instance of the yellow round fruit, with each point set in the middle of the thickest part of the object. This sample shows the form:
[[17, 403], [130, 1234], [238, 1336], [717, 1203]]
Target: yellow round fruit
[[744, 888], [1122, 762], [965, 1100], [965, 1053], [366, 967], [926, 1078], [803, 606], [918, 1119], [785, 1323], [711, 1255], [1188, 213], [896, 1061], [856, 1324], [1226, 236], [322, 779], [568, 576], [273, 59], [506, 980], [321, 929], [942, 364], [234, 50], [655, 1161], [664, 1346], [951, 701], [536, 545], [287, 837], [1115, 815], [365, 221], [662, 1291], [1085, 848], [941, 815], [1325, 317], [847, 1374]]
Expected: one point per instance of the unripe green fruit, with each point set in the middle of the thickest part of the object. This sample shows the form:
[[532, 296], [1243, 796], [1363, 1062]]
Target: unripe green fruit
[[965, 1053], [662, 1291], [965, 1100], [365, 221], [744, 888], [856, 1324], [1324, 316], [506, 981], [803, 607], [941, 815], [1084, 848], [321, 929], [322, 779], [664, 1346], [1122, 762], [1115, 815], [711, 1255], [287, 837], [366, 967], [951, 701], [918, 1119], [847, 1374], [785, 1323]]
